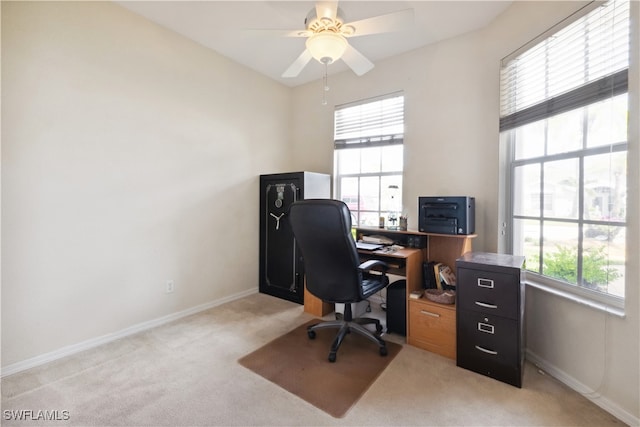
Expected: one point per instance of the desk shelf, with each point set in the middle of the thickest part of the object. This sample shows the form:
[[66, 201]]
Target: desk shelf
[[444, 248]]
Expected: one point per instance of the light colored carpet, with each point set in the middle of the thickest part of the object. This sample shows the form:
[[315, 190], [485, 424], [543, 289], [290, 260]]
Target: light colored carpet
[[186, 374]]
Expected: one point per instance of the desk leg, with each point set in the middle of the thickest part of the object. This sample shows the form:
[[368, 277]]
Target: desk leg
[[315, 306], [413, 276]]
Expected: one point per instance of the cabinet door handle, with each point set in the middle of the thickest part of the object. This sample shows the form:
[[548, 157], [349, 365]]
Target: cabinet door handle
[[484, 350], [485, 283], [485, 305], [428, 313]]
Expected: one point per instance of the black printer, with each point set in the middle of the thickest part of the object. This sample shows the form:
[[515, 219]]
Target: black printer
[[447, 215]]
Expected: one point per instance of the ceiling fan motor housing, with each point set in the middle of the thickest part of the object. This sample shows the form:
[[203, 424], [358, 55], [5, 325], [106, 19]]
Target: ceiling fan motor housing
[[316, 24]]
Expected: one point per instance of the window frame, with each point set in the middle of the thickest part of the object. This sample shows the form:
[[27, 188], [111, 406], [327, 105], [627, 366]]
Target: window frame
[[368, 141], [588, 94]]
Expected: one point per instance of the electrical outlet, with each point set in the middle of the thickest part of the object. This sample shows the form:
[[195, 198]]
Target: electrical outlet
[[169, 287]]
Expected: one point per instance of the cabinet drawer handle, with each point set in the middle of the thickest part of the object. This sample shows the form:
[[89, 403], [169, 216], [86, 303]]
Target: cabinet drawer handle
[[484, 350], [428, 313], [485, 305], [485, 283], [485, 327]]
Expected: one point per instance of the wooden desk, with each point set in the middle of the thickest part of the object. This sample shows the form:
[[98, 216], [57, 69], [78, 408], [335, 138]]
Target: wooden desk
[[403, 262], [430, 326]]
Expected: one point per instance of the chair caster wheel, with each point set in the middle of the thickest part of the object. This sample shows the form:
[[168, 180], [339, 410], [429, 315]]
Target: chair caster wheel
[[383, 351], [311, 334], [332, 357]]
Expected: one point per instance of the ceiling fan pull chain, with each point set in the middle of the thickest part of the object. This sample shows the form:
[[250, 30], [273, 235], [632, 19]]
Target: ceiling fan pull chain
[[326, 77], [325, 84]]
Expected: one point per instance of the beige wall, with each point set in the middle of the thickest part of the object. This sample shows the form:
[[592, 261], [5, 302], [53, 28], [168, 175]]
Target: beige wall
[[130, 156], [452, 148]]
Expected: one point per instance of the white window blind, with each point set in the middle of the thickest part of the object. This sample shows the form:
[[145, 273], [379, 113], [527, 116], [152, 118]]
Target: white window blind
[[591, 53], [375, 123]]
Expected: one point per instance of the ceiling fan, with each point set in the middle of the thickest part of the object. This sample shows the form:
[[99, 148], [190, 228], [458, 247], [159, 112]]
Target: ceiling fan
[[327, 35]]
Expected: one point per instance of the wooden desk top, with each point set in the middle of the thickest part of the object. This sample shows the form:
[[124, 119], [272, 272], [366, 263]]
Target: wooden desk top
[[398, 253], [374, 230]]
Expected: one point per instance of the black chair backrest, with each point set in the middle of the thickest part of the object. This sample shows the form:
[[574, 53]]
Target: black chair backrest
[[322, 230]]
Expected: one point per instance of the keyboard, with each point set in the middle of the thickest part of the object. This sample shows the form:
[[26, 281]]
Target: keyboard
[[368, 246]]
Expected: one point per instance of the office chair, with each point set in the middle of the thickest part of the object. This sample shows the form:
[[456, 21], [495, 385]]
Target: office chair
[[322, 230]]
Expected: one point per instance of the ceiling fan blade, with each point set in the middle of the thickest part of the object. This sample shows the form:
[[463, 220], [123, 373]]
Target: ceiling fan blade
[[297, 66], [257, 32], [356, 61], [327, 9], [390, 22]]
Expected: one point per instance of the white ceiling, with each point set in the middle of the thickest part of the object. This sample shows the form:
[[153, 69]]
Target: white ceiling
[[224, 27]]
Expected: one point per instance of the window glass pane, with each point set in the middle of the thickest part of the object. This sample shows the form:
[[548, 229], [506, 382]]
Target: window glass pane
[[529, 140], [605, 187], [370, 160], [607, 122], [565, 132], [561, 189], [349, 192], [391, 191], [369, 219], [604, 259], [560, 257], [527, 242], [526, 190], [392, 160], [348, 161], [370, 193], [355, 219]]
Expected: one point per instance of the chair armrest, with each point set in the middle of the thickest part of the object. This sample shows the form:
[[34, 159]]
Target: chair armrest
[[372, 264]]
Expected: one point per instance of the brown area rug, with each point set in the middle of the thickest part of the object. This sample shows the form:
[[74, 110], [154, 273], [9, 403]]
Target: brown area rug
[[300, 366]]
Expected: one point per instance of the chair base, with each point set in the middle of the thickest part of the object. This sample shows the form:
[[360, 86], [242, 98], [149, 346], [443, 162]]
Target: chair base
[[347, 326]]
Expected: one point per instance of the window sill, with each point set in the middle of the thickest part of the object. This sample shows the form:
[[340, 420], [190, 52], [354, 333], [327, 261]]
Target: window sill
[[597, 305]]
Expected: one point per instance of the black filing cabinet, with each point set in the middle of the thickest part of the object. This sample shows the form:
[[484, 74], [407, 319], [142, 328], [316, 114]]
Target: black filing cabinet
[[490, 315], [281, 267]]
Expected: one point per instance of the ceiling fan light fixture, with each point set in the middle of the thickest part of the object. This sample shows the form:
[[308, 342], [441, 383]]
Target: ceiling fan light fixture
[[326, 47]]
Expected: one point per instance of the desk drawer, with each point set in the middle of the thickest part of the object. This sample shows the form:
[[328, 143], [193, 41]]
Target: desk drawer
[[489, 292], [432, 327]]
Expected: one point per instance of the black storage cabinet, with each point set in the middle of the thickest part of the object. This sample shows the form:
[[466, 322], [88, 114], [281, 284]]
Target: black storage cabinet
[[281, 267], [490, 315]]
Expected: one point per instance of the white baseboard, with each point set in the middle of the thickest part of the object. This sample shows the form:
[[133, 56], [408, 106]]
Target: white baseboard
[[584, 390], [95, 342]]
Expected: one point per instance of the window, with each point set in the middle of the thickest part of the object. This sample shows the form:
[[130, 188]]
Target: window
[[564, 125], [369, 158]]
